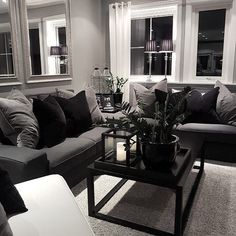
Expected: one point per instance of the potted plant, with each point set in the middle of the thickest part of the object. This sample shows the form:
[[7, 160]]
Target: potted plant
[[158, 145], [115, 86]]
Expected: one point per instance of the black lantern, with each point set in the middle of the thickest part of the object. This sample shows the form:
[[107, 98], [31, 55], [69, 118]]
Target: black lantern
[[120, 147]]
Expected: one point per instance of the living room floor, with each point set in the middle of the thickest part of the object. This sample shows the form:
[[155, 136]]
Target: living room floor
[[213, 211]]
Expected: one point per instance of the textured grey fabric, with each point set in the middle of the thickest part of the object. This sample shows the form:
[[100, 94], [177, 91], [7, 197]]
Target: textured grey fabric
[[96, 114], [23, 163], [17, 120], [95, 135], [5, 229], [146, 97], [69, 152], [215, 141], [226, 105]]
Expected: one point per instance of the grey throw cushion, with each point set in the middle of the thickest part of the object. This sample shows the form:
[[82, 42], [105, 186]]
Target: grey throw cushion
[[226, 105], [5, 229], [17, 120], [146, 97], [96, 114]]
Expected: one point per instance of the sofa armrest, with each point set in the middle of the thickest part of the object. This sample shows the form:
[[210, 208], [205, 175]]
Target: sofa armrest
[[23, 163], [52, 210]]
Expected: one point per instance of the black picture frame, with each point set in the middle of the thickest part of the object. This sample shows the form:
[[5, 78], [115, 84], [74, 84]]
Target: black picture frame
[[108, 102]]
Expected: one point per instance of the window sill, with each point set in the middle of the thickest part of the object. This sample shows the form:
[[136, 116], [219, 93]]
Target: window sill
[[36, 81], [5, 84]]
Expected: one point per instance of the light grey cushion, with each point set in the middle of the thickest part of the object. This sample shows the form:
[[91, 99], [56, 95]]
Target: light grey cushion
[[226, 105], [96, 114], [17, 120], [146, 97], [64, 93], [5, 229]]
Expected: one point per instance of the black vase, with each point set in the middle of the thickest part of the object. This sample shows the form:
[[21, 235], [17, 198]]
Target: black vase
[[117, 99], [159, 155]]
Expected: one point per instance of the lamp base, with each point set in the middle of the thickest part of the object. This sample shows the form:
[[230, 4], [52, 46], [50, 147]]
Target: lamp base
[[149, 78]]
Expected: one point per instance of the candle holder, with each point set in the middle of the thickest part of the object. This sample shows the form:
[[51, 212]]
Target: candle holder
[[120, 146]]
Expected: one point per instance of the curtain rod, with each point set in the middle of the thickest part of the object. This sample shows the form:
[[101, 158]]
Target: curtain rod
[[119, 4]]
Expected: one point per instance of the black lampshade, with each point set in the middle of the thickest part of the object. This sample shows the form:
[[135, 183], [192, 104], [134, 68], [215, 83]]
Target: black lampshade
[[64, 50], [151, 46], [166, 45], [55, 50]]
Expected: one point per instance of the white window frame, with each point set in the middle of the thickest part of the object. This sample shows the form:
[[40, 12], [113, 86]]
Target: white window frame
[[193, 7], [162, 9]]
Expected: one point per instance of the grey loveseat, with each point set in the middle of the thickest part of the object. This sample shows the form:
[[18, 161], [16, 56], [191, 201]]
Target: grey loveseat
[[214, 141], [69, 158]]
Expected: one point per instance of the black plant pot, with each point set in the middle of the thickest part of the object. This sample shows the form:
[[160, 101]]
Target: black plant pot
[[158, 155], [117, 99]]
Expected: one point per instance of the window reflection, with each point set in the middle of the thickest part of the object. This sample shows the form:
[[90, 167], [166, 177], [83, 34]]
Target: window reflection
[[6, 54], [210, 42], [47, 30], [140, 33]]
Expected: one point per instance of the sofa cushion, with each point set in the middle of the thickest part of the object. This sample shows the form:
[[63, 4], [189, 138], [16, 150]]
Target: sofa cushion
[[226, 105], [17, 120], [70, 152], [197, 102], [9, 196], [212, 132], [95, 135], [77, 113], [146, 97], [23, 163], [96, 114], [52, 121]]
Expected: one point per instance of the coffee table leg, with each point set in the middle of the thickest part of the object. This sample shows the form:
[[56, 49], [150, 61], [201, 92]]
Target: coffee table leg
[[90, 188], [178, 211]]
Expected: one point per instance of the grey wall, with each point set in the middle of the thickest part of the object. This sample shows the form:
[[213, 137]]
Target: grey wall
[[87, 39], [88, 48]]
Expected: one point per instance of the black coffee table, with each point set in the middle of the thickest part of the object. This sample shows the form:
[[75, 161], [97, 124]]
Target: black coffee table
[[172, 178]]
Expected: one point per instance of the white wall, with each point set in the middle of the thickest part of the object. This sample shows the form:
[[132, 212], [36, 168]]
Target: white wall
[[87, 40]]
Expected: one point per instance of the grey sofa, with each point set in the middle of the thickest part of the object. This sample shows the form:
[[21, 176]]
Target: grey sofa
[[214, 141], [69, 158]]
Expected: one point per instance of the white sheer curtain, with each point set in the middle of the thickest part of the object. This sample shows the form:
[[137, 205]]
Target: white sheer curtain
[[120, 31]]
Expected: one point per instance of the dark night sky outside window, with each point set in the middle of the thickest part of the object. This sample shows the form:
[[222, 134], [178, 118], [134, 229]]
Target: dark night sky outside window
[[140, 33], [210, 42]]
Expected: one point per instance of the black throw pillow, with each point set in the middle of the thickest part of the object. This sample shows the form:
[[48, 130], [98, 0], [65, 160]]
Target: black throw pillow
[[210, 117], [197, 102], [202, 107], [77, 113], [9, 196], [3, 139], [52, 121]]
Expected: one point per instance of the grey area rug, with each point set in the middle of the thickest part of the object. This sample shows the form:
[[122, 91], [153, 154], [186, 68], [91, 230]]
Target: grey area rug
[[213, 212]]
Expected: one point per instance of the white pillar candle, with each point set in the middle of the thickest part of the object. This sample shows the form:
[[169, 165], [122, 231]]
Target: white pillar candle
[[120, 151]]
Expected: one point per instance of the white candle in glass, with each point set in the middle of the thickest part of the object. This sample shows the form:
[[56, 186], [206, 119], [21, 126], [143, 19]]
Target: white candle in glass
[[120, 151]]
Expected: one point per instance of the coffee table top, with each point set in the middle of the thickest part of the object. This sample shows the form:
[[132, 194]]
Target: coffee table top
[[175, 175]]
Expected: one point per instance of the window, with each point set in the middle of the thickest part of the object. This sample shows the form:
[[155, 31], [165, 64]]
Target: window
[[211, 32], [142, 30], [6, 59]]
